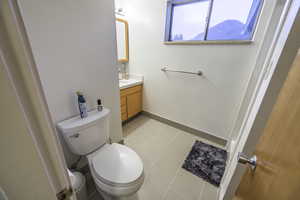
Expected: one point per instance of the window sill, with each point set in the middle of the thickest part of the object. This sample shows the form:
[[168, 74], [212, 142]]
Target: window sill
[[207, 42]]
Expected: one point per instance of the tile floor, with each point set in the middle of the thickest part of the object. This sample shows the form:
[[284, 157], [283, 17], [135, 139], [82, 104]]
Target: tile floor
[[163, 150]]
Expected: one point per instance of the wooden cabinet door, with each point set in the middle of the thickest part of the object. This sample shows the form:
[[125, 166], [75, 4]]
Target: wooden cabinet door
[[134, 104], [123, 102], [124, 116]]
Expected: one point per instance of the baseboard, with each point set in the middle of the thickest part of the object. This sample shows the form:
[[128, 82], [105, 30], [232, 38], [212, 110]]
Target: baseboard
[[131, 118], [193, 131]]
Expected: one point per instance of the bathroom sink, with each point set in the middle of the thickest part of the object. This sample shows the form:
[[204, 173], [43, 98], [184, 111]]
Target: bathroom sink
[[126, 83]]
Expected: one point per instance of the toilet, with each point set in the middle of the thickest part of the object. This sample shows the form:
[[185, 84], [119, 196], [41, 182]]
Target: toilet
[[117, 170]]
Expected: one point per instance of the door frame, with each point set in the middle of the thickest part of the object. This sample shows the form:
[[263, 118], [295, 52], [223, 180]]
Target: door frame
[[19, 64], [278, 63]]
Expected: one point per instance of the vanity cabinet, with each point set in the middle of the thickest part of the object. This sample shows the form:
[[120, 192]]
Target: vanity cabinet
[[131, 101]]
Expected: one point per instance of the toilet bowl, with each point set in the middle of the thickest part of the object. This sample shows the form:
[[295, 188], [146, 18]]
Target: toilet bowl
[[116, 169]]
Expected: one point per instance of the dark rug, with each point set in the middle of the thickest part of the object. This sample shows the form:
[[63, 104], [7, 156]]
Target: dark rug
[[207, 162]]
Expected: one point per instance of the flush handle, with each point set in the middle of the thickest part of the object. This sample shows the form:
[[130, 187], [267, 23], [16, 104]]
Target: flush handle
[[76, 135], [252, 162]]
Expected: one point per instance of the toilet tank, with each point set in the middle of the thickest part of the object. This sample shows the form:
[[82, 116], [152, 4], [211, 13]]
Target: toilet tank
[[84, 136]]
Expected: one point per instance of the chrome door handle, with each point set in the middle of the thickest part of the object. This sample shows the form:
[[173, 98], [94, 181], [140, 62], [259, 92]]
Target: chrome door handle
[[252, 162]]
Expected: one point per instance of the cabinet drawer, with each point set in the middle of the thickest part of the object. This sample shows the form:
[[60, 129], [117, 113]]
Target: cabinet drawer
[[131, 90]]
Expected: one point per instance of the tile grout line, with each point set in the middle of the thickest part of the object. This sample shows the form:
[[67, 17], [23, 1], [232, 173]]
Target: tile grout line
[[164, 196], [169, 144], [173, 180], [201, 192]]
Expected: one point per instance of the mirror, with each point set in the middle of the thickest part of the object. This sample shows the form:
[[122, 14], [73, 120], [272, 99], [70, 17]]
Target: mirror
[[122, 40]]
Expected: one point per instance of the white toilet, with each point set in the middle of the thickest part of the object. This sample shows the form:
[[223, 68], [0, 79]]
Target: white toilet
[[116, 169]]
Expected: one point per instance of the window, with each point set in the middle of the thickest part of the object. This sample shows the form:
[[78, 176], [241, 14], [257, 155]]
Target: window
[[211, 20]]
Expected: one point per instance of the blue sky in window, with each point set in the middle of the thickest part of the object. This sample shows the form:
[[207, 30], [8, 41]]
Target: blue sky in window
[[236, 23], [231, 20], [189, 20]]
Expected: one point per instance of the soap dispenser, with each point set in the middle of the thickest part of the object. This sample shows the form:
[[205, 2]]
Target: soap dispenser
[[82, 105], [99, 105]]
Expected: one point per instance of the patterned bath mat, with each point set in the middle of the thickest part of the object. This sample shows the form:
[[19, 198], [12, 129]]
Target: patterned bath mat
[[207, 162]]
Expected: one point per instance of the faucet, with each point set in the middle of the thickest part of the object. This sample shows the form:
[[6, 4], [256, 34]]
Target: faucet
[[122, 71]]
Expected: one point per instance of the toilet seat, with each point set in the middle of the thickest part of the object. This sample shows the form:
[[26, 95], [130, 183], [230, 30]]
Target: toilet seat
[[116, 165]]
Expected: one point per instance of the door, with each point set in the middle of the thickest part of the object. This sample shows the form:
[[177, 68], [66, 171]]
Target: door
[[22, 173], [278, 64], [277, 176], [32, 164]]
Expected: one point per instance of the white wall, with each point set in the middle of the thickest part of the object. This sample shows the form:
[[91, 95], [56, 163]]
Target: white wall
[[209, 104], [74, 48]]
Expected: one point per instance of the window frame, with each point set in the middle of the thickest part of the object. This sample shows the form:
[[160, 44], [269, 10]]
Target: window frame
[[169, 21]]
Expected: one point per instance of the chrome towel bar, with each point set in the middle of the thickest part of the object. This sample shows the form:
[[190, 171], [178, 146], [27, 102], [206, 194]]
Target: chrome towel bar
[[165, 69]]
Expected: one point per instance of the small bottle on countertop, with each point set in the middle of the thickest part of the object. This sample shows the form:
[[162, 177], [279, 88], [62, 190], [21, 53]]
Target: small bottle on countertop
[[82, 105], [99, 105]]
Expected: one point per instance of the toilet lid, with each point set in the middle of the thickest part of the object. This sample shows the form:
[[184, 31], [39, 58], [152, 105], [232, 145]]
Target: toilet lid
[[117, 163]]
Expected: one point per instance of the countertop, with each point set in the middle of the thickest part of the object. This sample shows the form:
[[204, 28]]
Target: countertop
[[132, 81]]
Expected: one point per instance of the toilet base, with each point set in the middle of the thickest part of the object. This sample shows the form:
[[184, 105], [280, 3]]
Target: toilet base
[[109, 192], [108, 197]]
